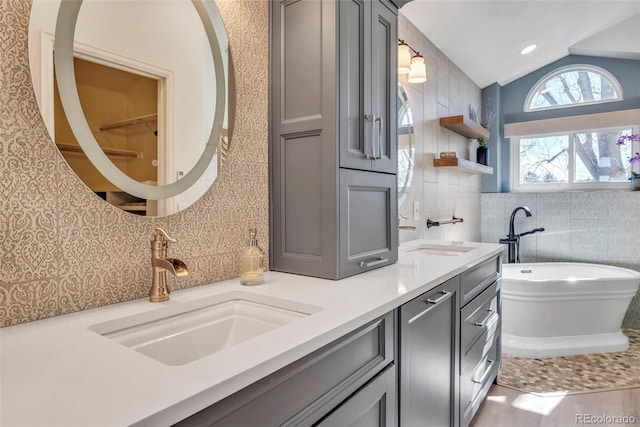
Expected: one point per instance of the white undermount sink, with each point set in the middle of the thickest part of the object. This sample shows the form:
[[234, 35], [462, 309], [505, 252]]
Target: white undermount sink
[[453, 249], [188, 331]]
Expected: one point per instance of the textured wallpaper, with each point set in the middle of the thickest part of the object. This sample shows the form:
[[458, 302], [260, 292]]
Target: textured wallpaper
[[63, 249]]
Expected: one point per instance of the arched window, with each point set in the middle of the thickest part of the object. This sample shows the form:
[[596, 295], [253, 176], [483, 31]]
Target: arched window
[[571, 86]]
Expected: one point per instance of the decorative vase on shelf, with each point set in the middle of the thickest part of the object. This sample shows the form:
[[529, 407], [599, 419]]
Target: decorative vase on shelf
[[635, 183], [482, 155]]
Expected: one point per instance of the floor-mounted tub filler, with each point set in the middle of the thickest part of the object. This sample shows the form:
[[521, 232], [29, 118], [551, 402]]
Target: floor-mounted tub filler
[[562, 309]]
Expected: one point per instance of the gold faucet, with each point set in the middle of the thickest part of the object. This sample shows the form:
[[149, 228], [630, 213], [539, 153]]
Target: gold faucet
[[405, 227], [161, 264]]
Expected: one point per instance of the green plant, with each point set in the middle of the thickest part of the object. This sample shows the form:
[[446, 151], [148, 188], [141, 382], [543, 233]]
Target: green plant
[[482, 142]]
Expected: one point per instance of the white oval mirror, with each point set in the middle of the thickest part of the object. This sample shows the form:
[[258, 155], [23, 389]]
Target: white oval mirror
[[406, 145], [140, 114]]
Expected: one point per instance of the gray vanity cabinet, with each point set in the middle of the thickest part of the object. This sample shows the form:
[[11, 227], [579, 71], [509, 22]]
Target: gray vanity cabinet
[[480, 320], [428, 363], [336, 382], [449, 348], [372, 406], [333, 136], [428, 355]]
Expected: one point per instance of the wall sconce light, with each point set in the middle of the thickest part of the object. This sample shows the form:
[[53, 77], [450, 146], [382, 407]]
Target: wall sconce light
[[414, 66], [404, 58], [418, 72]]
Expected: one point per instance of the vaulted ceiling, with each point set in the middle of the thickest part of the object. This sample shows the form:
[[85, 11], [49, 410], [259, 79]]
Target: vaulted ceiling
[[484, 38]]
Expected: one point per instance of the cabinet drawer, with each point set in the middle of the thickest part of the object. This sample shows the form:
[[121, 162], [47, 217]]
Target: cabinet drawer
[[305, 391], [477, 278], [473, 380], [372, 406], [474, 388], [470, 356], [478, 316]]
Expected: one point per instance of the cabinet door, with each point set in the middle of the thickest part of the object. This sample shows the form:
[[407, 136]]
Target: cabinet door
[[368, 38], [354, 82], [384, 85], [303, 156], [368, 221], [373, 405], [429, 374]]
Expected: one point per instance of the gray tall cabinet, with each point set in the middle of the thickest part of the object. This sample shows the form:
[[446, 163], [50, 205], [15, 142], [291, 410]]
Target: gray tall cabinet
[[333, 155]]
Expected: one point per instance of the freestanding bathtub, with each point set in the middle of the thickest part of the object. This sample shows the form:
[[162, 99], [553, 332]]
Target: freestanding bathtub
[[561, 309]]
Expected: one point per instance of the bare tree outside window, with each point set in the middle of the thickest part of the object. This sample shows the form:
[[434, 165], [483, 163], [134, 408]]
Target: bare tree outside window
[[572, 87], [597, 156], [544, 159]]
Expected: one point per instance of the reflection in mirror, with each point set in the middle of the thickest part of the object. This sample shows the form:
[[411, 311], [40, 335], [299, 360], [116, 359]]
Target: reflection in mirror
[[406, 145], [121, 109], [146, 80]]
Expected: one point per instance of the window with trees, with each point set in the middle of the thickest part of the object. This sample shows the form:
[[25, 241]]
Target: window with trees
[[572, 86], [571, 160]]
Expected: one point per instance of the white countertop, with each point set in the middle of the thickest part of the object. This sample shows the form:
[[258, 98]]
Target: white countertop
[[58, 372]]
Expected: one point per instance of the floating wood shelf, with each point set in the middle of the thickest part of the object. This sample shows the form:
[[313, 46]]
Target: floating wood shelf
[[465, 127], [150, 118], [462, 165], [111, 152]]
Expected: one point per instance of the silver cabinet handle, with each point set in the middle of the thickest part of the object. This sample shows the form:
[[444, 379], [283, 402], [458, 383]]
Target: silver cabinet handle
[[379, 120], [441, 298], [379, 260], [485, 374], [488, 319], [373, 119], [431, 305]]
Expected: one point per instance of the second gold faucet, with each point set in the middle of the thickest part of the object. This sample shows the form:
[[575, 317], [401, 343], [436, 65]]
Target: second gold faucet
[[160, 264]]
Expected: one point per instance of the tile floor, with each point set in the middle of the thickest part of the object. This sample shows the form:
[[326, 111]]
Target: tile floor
[[574, 374]]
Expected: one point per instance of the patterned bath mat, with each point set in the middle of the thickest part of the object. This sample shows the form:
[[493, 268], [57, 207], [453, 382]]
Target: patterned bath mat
[[574, 374]]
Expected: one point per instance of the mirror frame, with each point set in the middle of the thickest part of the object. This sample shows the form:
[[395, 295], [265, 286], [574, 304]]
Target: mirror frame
[[63, 59], [403, 99]]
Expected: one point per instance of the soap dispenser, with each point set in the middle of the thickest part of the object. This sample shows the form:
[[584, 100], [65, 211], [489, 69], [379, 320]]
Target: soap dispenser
[[252, 262]]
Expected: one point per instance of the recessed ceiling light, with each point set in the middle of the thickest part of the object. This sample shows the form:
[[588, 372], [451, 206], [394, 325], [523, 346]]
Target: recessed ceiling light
[[528, 49]]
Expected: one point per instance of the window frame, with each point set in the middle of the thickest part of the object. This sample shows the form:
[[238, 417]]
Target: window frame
[[544, 187], [566, 69]]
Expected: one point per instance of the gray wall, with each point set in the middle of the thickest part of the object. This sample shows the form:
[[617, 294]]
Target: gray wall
[[627, 71], [440, 193], [596, 227], [512, 97]]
